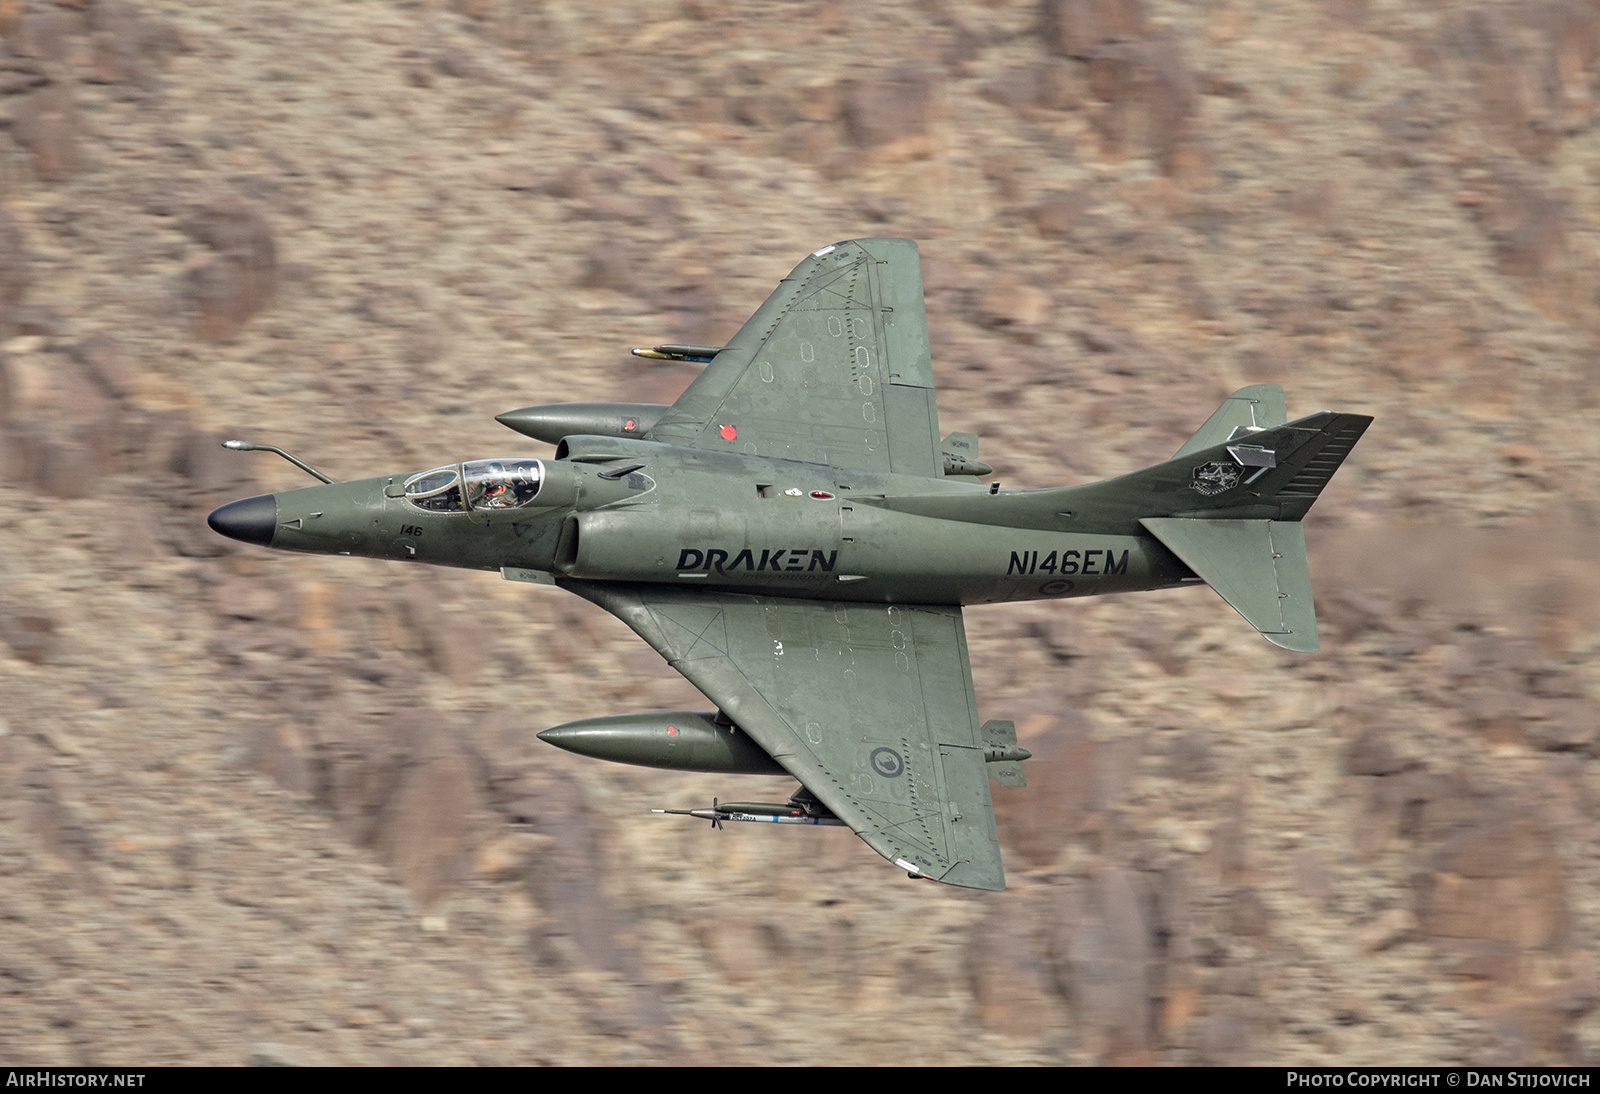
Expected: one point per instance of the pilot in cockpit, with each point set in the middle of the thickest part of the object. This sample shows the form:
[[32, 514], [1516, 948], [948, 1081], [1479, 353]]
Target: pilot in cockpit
[[496, 491]]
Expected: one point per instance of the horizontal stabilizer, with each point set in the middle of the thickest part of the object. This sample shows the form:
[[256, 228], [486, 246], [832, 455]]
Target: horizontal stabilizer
[[1259, 406], [1257, 566]]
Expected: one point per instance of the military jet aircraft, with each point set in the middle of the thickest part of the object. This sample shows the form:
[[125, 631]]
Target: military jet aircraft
[[796, 539]]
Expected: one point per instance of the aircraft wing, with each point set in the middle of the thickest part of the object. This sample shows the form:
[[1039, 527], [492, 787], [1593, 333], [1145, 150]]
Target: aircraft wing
[[833, 368], [870, 706]]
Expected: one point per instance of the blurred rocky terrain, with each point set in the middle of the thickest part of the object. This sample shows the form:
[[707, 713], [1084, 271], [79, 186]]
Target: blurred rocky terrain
[[268, 808]]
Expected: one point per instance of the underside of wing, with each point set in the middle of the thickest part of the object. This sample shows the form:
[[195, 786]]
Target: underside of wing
[[833, 368], [871, 707]]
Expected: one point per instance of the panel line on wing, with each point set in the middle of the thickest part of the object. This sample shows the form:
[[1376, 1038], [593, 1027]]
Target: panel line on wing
[[824, 283], [703, 636], [849, 302], [928, 845]]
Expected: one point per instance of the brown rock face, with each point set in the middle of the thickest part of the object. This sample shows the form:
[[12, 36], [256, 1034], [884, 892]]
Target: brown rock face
[[892, 110], [30, 634], [63, 430], [582, 925], [1060, 212], [19, 75], [44, 34], [119, 42], [1500, 883], [1011, 982], [423, 825], [265, 807], [13, 269], [47, 123], [1104, 935], [1074, 28], [1016, 309], [1064, 764], [608, 266], [1372, 754], [1172, 99], [400, 784], [238, 279], [105, 363]]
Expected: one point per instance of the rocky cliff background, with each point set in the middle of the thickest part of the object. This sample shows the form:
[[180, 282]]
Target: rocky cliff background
[[290, 809]]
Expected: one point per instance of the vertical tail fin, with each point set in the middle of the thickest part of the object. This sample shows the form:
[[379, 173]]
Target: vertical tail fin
[[1259, 406], [1259, 566]]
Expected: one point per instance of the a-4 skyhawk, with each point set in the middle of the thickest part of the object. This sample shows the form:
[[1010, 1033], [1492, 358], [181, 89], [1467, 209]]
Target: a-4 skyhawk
[[795, 538]]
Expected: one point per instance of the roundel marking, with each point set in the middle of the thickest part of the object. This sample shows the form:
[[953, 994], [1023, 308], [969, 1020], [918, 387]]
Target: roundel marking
[[887, 763], [727, 432]]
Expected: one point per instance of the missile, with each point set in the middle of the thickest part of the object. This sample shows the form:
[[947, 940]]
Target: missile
[[675, 352], [765, 812], [680, 740]]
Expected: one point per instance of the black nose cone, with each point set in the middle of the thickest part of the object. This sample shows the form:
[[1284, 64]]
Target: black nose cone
[[252, 520]]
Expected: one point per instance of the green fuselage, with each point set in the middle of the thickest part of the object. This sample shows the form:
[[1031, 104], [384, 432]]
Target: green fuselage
[[638, 511]]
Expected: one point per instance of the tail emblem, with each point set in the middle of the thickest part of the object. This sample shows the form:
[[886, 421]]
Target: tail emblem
[[1215, 477]]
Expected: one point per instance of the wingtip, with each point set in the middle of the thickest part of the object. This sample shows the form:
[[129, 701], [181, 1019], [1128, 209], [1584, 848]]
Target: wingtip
[[1297, 643]]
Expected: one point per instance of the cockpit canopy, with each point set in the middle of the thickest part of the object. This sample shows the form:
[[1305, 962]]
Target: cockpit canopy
[[490, 484]]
